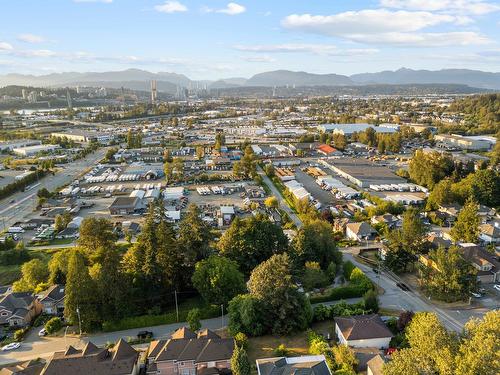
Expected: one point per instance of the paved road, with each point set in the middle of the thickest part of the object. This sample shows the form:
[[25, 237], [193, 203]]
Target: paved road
[[396, 298], [26, 201], [283, 205], [43, 347]]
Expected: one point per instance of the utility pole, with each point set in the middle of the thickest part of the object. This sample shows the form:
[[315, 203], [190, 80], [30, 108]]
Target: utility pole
[[222, 316], [79, 319], [176, 305]]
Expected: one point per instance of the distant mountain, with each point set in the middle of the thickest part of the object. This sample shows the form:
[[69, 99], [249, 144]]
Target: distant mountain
[[227, 83], [287, 77], [107, 79], [474, 78], [137, 79]]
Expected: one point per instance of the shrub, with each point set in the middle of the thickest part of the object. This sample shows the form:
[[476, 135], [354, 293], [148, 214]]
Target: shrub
[[156, 319], [19, 334], [347, 268], [53, 325], [281, 351], [344, 292], [193, 319], [241, 340], [41, 320], [370, 301]]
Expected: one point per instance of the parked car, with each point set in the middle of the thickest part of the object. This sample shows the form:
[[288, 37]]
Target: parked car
[[476, 295], [143, 335], [497, 287], [42, 332], [403, 286], [11, 346]]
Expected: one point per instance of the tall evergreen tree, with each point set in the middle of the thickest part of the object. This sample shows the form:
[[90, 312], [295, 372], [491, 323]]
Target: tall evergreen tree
[[240, 365], [80, 293]]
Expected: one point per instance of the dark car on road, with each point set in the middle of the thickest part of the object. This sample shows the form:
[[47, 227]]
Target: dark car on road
[[144, 335], [403, 286]]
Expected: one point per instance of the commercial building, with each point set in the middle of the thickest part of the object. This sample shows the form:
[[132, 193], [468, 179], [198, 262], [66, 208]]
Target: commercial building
[[363, 172], [348, 129], [462, 142], [33, 150], [9, 146], [82, 136]]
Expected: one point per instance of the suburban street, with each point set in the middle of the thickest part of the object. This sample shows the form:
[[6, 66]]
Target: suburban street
[[283, 205], [396, 298], [24, 202], [43, 347]]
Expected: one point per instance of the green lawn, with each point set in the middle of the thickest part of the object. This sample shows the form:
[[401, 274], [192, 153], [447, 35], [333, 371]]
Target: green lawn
[[9, 274]]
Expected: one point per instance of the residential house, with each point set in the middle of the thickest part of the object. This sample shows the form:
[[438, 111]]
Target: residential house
[[19, 309], [26, 368], [435, 241], [188, 353], [362, 331], [303, 365], [360, 231], [375, 365], [121, 360], [486, 264], [52, 299], [388, 219], [489, 233], [339, 224], [450, 211]]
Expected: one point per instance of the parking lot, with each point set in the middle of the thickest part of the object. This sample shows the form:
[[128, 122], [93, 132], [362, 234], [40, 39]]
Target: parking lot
[[325, 197]]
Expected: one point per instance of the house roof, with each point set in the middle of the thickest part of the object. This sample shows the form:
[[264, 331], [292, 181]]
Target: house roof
[[305, 365], [362, 327], [361, 228], [18, 304], [184, 333], [53, 294], [186, 346], [490, 230], [376, 364], [92, 360], [25, 368]]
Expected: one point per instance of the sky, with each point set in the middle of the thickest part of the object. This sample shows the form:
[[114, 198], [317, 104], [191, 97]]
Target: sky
[[212, 39]]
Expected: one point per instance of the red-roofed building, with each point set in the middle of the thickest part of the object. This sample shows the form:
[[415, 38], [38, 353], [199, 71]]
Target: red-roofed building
[[327, 150]]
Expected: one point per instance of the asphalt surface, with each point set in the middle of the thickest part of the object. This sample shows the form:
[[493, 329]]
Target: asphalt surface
[[396, 298], [25, 202], [283, 205]]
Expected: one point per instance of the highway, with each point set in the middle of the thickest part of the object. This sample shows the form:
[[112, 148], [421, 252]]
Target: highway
[[25, 202]]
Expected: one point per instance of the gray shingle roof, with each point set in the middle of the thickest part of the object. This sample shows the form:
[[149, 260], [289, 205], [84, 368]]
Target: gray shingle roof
[[362, 327]]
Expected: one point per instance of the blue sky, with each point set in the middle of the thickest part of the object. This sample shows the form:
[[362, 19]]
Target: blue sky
[[213, 39]]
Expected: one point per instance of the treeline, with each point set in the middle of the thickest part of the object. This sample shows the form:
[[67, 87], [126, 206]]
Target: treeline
[[20, 185], [482, 114]]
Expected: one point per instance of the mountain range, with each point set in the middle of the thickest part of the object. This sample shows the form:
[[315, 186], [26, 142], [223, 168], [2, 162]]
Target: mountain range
[[137, 79]]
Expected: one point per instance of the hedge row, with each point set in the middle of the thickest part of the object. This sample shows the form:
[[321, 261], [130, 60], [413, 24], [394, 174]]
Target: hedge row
[[21, 184], [156, 320], [343, 292]]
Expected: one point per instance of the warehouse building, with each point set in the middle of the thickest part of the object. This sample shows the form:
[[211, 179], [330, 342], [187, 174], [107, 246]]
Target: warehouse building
[[348, 129], [464, 143], [363, 173], [34, 150]]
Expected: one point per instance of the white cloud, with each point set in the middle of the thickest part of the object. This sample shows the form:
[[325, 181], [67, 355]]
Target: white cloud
[[318, 49], [231, 9], [385, 26], [31, 38], [4, 46], [171, 7], [259, 59], [36, 53], [471, 7]]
